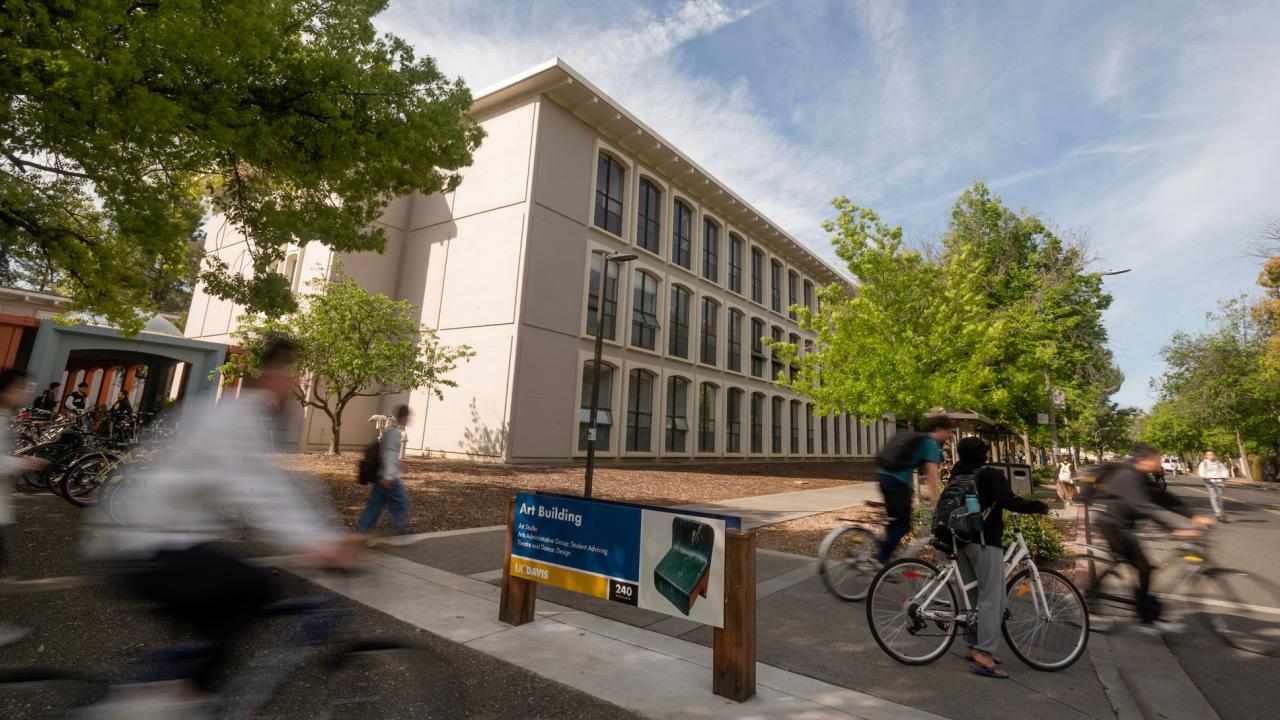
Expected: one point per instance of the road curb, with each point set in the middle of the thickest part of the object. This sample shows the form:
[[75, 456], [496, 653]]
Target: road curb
[[1101, 657]]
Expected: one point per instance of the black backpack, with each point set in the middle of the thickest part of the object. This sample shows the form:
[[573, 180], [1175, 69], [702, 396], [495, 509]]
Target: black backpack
[[370, 463], [955, 518], [899, 452]]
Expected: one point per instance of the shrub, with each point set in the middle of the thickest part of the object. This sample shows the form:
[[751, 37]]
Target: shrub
[[1044, 540]]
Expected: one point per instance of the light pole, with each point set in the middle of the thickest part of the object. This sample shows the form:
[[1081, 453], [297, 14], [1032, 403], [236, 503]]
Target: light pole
[[595, 366]]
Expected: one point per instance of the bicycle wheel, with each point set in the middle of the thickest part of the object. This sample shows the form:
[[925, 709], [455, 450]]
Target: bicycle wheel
[[32, 481], [1243, 610], [903, 625], [371, 680], [36, 692], [844, 561], [1108, 588], [86, 476], [1050, 632]]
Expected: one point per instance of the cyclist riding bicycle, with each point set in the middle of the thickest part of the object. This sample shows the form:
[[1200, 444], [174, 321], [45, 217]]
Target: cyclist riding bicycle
[[1130, 497], [914, 451], [216, 479]]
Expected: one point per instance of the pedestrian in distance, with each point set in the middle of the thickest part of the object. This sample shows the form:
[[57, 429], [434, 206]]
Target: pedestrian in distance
[[48, 400], [984, 560], [388, 491], [902, 455], [1214, 474], [1066, 481], [15, 391]]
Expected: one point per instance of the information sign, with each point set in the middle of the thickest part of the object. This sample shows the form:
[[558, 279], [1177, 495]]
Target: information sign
[[662, 560]]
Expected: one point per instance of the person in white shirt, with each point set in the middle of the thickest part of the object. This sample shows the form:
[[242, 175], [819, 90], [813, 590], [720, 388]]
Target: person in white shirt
[[215, 479], [1214, 473], [388, 491], [1066, 482], [15, 391]]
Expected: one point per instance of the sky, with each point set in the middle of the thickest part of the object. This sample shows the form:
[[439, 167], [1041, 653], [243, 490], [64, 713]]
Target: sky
[[1149, 129]]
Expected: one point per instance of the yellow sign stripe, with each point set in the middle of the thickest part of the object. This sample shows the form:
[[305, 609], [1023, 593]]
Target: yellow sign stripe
[[563, 577], [1225, 496]]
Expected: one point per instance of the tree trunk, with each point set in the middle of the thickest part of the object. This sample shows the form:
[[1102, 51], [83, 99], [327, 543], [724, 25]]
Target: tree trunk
[[1026, 447], [335, 442], [1244, 458]]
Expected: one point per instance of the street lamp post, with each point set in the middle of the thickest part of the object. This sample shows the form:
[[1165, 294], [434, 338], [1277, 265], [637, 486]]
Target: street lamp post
[[595, 365]]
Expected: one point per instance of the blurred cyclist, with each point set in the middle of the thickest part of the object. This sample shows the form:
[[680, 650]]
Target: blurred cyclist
[[214, 480], [15, 391]]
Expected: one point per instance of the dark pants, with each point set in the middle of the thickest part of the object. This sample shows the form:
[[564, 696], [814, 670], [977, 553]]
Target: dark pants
[[897, 505], [210, 589], [1126, 546], [394, 498]]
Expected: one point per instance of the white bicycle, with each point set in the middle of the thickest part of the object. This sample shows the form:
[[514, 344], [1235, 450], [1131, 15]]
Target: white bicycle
[[915, 608]]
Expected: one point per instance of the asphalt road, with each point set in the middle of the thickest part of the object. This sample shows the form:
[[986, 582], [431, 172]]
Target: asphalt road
[[1238, 684], [99, 630]]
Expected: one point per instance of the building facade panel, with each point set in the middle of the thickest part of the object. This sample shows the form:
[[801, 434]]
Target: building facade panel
[[499, 173]]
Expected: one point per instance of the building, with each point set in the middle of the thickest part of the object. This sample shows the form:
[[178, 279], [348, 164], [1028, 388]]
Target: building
[[510, 262]]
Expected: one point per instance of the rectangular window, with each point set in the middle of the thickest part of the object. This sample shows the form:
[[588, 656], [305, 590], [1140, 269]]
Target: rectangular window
[[793, 290], [808, 295], [757, 423], [677, 416], [775, 286], [757, 275], [604, 408], [640, 412], [735, 341], [644, 311], [794, 339], [735, 263], [682, 236], [795, 427], [808, 424], [835, 434], [649, 218], [609, 181], [758, 361], [775, 356], [706, 418], [776, 444], [610, 297], [710, 327], [858, 434], [678, 331], [710, 251], [733, 416]]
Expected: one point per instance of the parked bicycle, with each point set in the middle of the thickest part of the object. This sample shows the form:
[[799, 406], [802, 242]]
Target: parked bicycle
[[1241, 609], [846, 557], [915, 609]]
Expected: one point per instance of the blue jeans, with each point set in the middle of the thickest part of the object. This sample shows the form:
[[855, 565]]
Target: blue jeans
[[394, 498], [897, 505]]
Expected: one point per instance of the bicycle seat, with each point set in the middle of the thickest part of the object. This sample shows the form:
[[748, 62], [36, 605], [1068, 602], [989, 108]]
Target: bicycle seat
[[943, 546]]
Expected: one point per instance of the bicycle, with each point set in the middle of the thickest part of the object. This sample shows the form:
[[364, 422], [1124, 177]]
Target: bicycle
[[845, 556], [1241, 609], [914, 610], [311, 670]]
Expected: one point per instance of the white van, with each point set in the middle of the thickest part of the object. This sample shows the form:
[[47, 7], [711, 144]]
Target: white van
[[1173, 465]]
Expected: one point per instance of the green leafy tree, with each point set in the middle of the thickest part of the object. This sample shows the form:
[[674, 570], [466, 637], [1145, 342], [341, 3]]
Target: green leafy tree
[[122, 125], [351, 343]]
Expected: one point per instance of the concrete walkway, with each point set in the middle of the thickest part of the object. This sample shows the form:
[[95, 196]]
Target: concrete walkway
[[648, 672], [769, 509]]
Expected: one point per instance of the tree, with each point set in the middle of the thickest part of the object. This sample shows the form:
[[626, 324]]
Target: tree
[[351, 343], [122, 125]]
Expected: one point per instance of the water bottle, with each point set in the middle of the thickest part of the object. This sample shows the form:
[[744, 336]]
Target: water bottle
[[971, 504]]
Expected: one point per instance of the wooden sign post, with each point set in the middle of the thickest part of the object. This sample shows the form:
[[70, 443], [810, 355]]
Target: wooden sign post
[[518, 594], [733, 660]]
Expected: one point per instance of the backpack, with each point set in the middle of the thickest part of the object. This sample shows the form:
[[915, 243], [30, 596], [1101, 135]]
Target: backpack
[[1091, 482], [370, 463], [958, 516], [900, 451]]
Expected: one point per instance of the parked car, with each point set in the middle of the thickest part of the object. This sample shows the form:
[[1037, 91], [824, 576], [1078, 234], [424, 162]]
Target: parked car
[[1173, 465]]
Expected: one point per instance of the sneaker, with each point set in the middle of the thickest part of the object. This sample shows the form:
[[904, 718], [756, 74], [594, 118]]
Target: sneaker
[[10, 633]]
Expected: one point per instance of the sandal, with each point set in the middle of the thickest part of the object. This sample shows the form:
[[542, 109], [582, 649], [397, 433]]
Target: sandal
[[969, 658], [995, 671]]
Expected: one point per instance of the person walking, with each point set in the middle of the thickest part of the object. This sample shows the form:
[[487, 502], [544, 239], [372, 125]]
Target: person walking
[[1066, 481], [388, 491], [984, 561], [15, 391], [1214, 474]]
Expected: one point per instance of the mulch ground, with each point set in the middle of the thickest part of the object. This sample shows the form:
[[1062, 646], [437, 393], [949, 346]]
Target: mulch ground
[[451, 495]]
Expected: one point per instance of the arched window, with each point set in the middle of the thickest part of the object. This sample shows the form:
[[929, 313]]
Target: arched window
[[733, 418], [735, 263], [757, 423], [678, 328], [808, 419], [644, 311], [734, 360], [775, 285], [776, 444], [677, 414], [710, 250], [710, 328], [794, 339], [682, 236], [758, 360], [836, 421], [795, 427], [793, 289], [610, 296], [640, 411], [604, 408], [649, 218], [808, 295], [775, 356], [610, 177], [757, 275], [706, 418]]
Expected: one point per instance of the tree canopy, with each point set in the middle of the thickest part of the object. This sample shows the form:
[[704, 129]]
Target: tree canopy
[[350, 343], [123, 125]]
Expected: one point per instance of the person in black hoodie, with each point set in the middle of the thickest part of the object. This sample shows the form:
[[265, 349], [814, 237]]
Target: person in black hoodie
[[985, 560]]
